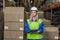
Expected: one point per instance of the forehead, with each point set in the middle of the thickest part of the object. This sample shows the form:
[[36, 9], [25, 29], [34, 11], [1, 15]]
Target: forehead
[[33, 11]]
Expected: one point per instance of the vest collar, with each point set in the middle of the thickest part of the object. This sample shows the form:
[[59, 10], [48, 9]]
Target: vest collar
[[33, 20]]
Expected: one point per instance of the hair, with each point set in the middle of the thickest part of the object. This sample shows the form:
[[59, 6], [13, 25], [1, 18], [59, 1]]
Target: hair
[[31, 16]]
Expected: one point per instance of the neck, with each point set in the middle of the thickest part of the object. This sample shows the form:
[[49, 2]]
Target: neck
[[34, 18]]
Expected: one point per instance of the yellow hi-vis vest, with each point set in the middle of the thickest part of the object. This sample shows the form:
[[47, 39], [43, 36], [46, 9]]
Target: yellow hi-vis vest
[[34, 25]]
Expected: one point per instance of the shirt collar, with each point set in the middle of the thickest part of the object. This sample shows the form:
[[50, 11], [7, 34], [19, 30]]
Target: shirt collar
[[34, 20]]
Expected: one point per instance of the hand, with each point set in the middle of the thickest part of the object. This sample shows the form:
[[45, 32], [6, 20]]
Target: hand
[[38, 31]]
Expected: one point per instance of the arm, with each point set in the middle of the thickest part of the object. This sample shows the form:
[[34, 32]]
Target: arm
[[26, 28], [41, 29]]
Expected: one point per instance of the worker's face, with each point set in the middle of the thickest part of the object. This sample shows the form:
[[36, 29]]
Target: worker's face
[[33, 13]]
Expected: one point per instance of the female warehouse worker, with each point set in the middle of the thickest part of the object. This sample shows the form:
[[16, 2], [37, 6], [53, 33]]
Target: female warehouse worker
[[34, 27]]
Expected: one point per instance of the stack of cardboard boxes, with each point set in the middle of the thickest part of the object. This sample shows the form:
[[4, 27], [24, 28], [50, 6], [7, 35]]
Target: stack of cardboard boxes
[[51, 33], [13, 23]]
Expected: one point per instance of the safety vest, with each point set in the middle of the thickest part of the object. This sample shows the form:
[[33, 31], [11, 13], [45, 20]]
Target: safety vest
[[34, 25]]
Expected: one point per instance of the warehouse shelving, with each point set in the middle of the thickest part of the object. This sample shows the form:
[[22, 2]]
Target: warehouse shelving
[[54, 14]]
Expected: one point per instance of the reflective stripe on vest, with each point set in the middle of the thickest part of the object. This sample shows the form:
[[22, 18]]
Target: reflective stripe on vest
[[34, 26]]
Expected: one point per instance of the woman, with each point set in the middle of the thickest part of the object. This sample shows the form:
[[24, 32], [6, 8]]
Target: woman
[[34, 27]]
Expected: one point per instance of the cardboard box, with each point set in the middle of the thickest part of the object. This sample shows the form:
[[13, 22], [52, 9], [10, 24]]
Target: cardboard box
[[51, 33], [13, 34], [51, 29], [51, 36], [13, 26], [14, 10], [13, 13], [13, 17]]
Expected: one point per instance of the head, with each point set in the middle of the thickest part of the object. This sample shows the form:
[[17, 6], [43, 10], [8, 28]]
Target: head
[[34, 11]]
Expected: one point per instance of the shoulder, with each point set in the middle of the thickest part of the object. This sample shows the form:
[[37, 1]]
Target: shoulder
[[40, 20], [28, 20]]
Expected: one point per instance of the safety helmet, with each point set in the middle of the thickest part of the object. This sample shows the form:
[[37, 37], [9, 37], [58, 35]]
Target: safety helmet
[[10, 0], [34, 8]]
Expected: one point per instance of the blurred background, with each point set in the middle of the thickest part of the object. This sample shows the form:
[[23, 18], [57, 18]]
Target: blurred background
[[13, 14]]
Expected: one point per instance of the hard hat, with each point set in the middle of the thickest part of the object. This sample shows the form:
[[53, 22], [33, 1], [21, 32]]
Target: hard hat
[[10, 0], [34, 8]]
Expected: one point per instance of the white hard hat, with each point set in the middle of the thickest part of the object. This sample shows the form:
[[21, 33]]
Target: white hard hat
[[10, 0], [34, 8]]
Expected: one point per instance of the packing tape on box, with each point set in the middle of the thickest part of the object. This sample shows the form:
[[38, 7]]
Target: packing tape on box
[[6, 27], [21, 20], [21, 28], [56, 37], [20, 37]]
